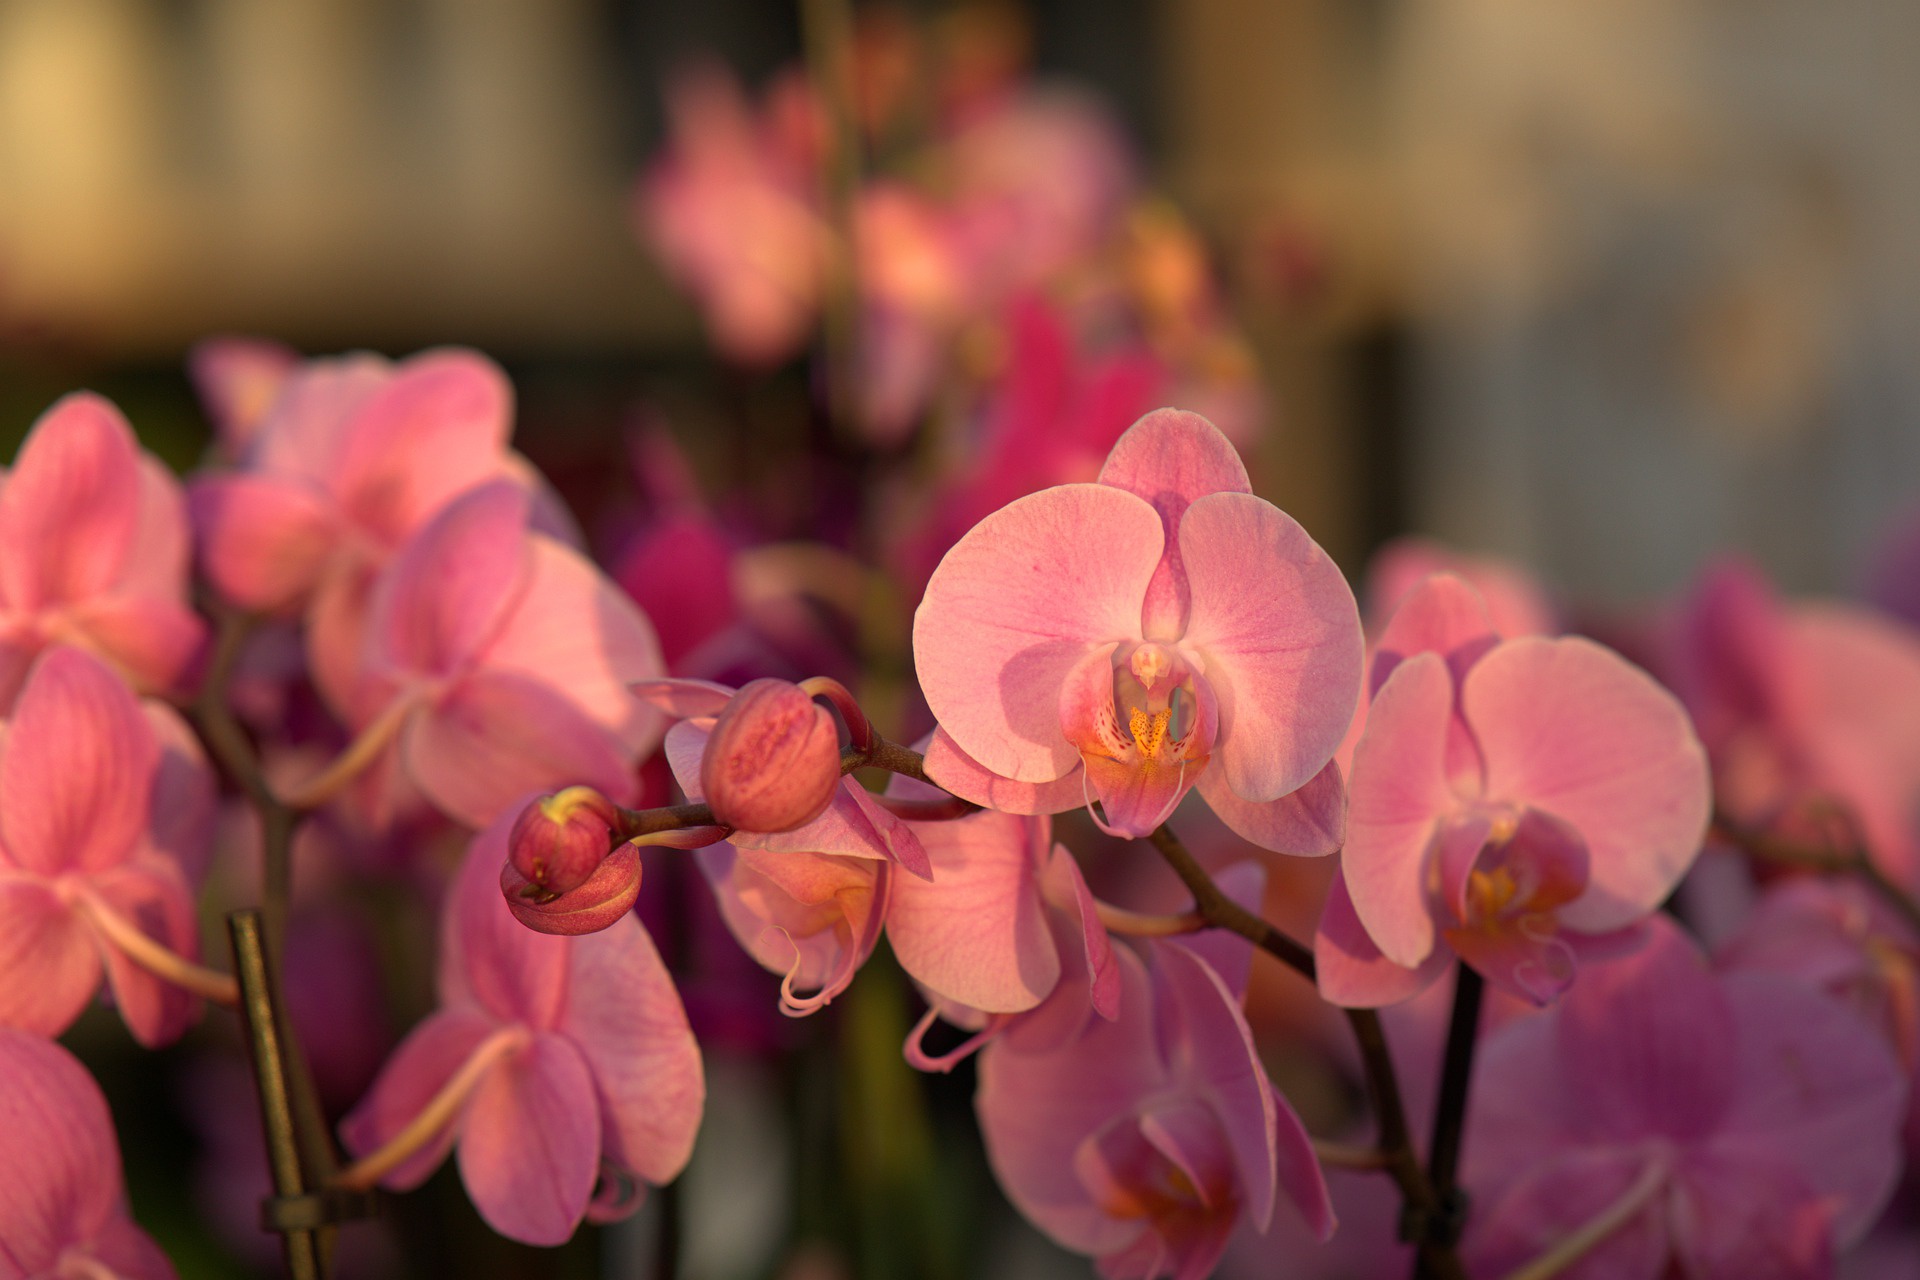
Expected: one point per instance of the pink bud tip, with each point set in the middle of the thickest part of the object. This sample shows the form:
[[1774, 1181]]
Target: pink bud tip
[[607, 895], [560, 840], [773, 761]]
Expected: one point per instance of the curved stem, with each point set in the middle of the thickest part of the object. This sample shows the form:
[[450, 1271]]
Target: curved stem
[[1603, 1224], [1141, 925], [156, 957], [352, 762], [1450, 1116], [441, 1109], [1222, 912]]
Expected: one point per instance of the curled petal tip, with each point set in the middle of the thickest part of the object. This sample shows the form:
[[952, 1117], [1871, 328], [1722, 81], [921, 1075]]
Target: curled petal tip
[[598, 903]]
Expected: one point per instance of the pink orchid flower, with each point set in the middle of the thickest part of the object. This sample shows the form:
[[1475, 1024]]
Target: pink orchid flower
[[498, 659], [63, 1211], [355, 455], [732, 208], [94, 551], [1513, 802], [105, 814], [1735, 1127], [1516, 602], [237, 380], [552, 1062], [1133, 638], [1804, 707], [1145, 1139]]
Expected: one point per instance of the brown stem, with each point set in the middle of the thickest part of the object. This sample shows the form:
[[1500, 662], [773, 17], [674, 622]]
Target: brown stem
[[1222, 912]]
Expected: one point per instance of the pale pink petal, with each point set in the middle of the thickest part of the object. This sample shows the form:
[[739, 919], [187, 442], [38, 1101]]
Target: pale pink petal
[[304, 429], [1172, 458], [625, 1016], [152, 641], [1016, 604], [1398, 794], [810, 917], [1515, 601], [77, 768], [962, 775], [49, 959], [263, 538], [977, 932], [1278, 628], [59, 1163], [70, 504], [160, 561], [337, 620], [449, 591], [578, 633], [530, 1145], [1441, 614], [683, 699], [1820, 1091], [237, 380], [1574, 729], [486, 956], [1310, 822], [424, 1062], [497, 735], [436, 428], [1550, 1201], [1066, 889], [1350, 969], [150, 894], [186, 796]]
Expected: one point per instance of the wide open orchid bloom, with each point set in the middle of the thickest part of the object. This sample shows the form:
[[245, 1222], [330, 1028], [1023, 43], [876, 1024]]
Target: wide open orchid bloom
[[1156, 630], [63, 1211], [1804, 708], [94, 551], [1512, 802], [354, 456], [105, 812], [1146, 1139], [732, 207], [1733, 1127], [553, 1063], [498, 658]]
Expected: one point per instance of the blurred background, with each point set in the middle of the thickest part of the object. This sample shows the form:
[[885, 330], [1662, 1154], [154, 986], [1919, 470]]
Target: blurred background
[[1603, 288]]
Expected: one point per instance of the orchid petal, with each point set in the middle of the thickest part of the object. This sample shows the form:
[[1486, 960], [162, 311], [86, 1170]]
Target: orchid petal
[[49, 959], [486, 956], [1444, 615], [151, 895], [530, 1143], [1310, 822], [1350, 969], [264, 538], [59, 1165], [425, 1061], [961, 775], [70, 504], [452, 586]]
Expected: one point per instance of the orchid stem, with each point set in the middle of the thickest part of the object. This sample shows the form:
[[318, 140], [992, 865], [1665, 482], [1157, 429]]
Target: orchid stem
[[1603, 1224], [1450, 1117], [159, 959], [441, 1110], [1138, 924], [358, 756], [1222, 912]]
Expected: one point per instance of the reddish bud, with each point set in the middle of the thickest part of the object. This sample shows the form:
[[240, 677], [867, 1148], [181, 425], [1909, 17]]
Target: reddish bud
[[606, 896], [560, 840], [773, 761]]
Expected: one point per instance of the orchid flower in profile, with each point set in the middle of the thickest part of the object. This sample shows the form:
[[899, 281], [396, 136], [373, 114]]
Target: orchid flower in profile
[[1513, 802], [1132, 639], [63, 1209], [554, 1064], [1145, 1140], [1663, 1121], [105, 814], [94, 551]]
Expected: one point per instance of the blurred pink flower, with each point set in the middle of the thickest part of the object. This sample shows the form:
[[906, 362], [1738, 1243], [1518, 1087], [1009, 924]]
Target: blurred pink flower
[[498, 659], [1161, 628], [100, 803], [1893, 569], [1513, 802], [554, 1063], [94, 551], [1733, 1127], [237, 380], [1146, 1139], [63, 1211], [1517, 604]]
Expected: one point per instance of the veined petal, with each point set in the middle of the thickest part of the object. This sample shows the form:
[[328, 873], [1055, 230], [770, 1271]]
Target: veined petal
[[1574, 729], [1016, 604], [49, 960], [1443, 614], [963, 776], [150, 893], [151, 640], [486, 956], [263, 538], [1278, 627], [1351, 970], [1310, 822], [530, 1147], [452, 586], [59, 1164], [425, 1061], [70, 504]]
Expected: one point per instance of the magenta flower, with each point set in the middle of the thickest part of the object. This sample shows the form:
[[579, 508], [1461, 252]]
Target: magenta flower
[[499, 659], [1159, 629], [1513, 802], [553, 1063], [93, 551], [1681, 1125], [1146, 1139], [63, 1211], [97, 810], [1804, 707]]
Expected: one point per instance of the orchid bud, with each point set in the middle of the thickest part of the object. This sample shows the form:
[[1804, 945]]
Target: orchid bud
[[773, 761], [559, 840], [598, 903]]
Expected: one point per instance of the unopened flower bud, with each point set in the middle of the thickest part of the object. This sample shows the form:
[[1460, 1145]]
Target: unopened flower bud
[[773, 761], [560, 840], [606, 896]]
